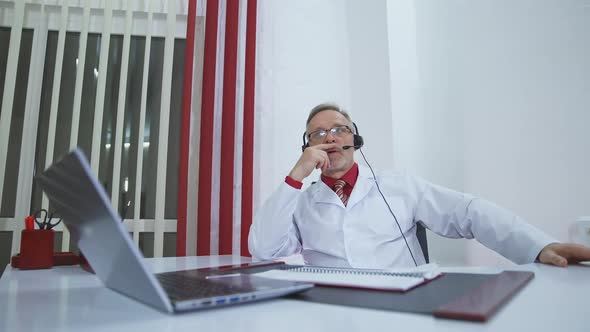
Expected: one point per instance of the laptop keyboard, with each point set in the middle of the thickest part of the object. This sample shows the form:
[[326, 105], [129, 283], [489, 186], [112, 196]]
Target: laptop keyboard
[[181, 287]]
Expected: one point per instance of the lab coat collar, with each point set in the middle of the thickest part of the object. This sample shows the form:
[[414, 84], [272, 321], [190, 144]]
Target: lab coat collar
[[321, 193], [363, 186]]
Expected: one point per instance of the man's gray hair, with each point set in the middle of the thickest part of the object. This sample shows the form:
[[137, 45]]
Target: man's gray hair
[[327, 107]]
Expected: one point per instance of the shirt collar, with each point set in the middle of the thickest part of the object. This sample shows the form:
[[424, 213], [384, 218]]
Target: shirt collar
[[349, 177]]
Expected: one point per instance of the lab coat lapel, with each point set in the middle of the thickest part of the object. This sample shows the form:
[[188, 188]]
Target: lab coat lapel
[[324, 194], [363, 186]]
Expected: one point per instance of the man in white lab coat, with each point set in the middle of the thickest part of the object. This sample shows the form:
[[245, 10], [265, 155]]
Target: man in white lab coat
[[352, 218]]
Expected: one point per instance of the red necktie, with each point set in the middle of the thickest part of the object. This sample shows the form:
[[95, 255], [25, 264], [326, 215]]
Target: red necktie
[[339, 189]]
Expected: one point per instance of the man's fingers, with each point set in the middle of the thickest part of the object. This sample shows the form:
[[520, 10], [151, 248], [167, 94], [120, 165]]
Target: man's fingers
[[325, 162], [320, 158], [558, 260], [550, 257], [312, 158], [325, 146], [572, 252], [320, 164]]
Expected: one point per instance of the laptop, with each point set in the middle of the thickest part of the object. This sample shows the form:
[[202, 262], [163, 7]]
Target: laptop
[[81, 200]]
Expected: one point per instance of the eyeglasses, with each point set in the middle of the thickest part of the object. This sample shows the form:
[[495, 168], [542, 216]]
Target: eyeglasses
[[320, 135]]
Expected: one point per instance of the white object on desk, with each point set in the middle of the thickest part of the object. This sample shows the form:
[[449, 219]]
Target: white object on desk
[[388, 280], [579, 231]]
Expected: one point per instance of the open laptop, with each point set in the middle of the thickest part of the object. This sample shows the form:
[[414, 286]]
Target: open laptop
[[98, 231]]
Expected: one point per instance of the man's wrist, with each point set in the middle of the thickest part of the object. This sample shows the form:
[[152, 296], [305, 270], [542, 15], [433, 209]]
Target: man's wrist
[[294, 174], [293, 183]]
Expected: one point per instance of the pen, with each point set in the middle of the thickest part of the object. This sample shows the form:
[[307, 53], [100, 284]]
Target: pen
[[222, 276], [250, 265], [30, 223]]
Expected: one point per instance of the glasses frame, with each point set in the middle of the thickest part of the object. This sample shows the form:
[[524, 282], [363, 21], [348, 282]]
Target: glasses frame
[[333, 131]]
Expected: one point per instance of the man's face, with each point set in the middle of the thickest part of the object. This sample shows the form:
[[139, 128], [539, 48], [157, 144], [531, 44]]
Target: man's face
[[340, 160]]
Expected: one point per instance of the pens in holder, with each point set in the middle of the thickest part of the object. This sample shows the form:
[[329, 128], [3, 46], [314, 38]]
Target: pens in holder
[[30, 223], [46, 218], [36, 245]]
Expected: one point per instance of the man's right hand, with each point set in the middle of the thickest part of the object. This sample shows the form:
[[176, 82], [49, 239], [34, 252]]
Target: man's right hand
[[313, 157]]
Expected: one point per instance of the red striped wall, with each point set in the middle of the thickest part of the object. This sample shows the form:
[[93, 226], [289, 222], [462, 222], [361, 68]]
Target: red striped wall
[[206, 137], [185, 128], [226, 146], [228, 137], [248, 141]]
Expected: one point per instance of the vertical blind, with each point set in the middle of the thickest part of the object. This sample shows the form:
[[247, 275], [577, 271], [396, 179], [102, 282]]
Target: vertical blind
[[105, 76], [158, 94]]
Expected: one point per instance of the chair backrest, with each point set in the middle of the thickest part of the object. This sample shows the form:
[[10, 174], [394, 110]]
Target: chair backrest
[[421, 234]]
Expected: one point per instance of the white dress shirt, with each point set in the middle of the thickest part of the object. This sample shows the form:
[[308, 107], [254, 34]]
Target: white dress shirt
[[364, 234]]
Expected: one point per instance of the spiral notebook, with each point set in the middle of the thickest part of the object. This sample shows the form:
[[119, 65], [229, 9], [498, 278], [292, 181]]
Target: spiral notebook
[[387, 280]]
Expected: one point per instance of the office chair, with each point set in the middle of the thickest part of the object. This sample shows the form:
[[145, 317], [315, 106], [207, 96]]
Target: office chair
[[421, 234]]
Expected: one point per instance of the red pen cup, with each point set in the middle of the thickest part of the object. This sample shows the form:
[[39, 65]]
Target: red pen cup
[[36, 249]]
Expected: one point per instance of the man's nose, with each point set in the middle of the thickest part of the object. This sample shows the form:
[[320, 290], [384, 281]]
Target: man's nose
[[330, 137]]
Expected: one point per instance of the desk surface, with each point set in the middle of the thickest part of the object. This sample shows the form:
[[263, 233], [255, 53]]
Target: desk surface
[[69, 299]]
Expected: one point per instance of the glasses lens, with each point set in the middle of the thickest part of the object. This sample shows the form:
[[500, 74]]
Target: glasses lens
[[340, 131], [317, 136]]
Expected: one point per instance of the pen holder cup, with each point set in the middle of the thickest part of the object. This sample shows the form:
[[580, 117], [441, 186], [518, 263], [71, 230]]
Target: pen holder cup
[[36, 249]]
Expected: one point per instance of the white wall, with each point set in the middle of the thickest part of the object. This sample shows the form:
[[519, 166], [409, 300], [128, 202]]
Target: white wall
[[504, 99], [523, 87], [426, 132], [311, 52], [300, 62], [370, 101], [488, 97]]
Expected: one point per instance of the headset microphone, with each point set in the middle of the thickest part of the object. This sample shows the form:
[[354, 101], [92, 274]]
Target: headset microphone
[[346, 147]]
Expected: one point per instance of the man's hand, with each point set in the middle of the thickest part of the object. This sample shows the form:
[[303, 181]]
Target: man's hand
[[562, 254], [313, 157]]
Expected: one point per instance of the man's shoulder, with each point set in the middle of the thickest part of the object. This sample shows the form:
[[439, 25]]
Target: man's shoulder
[[387, 175]]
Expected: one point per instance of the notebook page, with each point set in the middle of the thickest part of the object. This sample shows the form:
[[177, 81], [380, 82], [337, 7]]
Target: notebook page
[[428, 271], [371, 281]]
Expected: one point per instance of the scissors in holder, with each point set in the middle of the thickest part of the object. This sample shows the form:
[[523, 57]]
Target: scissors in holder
[[43, 219]]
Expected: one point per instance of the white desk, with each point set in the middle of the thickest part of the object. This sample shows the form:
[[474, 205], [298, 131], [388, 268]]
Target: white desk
[[70, 299]]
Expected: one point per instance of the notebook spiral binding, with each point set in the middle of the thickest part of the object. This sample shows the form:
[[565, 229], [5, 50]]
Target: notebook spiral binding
[[334, 270]]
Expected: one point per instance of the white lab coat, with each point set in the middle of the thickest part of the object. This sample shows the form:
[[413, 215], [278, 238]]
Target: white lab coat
[[364, 234]]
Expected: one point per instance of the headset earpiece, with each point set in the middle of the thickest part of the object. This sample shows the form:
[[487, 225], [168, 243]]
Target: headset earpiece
[[303, 147], [358, 140], [305, 144]]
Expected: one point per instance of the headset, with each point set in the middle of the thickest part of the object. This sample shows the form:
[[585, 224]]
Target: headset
[[358, 143]]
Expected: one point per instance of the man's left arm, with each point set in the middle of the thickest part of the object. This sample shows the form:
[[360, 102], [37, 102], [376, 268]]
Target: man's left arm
[[454, 214]]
